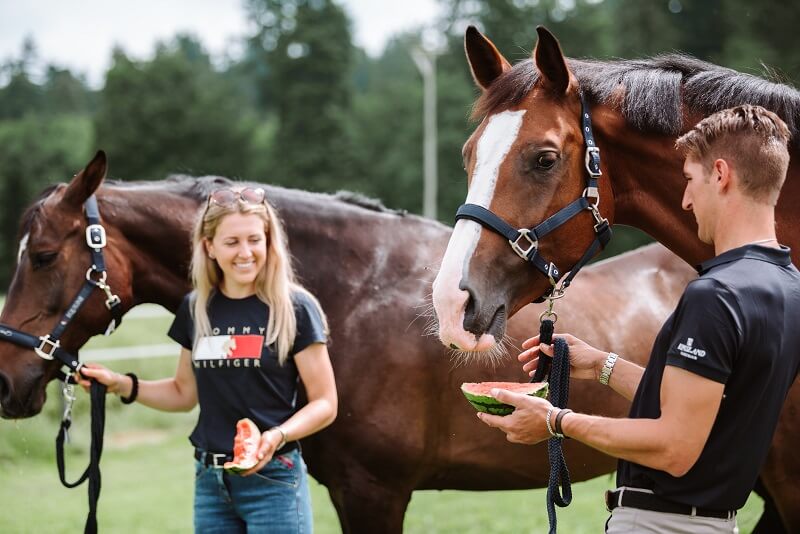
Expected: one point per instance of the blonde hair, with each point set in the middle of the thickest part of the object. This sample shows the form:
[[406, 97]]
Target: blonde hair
[[752, 139], [275, 283]]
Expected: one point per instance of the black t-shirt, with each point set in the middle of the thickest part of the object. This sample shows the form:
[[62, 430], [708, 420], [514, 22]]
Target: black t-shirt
[[237, 376], [737, 325]]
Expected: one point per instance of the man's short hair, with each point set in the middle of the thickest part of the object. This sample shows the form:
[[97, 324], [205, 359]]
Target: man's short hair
[[751, 139]]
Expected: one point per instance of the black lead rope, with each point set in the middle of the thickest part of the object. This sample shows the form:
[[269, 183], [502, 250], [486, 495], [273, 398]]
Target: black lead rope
[[557, 374], [92, 472]]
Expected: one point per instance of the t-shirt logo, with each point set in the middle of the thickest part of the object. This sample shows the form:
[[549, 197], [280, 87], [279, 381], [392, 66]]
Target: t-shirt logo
[[688, 351], [229, 347]]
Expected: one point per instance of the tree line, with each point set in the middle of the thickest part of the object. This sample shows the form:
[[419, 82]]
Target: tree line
[[304, 107]]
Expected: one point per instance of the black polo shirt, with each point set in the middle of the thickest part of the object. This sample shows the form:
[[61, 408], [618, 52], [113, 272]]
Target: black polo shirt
[[737, 325]]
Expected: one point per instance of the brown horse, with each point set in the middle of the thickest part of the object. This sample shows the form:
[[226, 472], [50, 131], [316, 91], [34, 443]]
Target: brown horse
[[527, 160], [403, 424]]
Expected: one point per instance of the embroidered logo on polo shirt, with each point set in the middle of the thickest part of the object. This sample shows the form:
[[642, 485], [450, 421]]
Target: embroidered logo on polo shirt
[[687, 350]]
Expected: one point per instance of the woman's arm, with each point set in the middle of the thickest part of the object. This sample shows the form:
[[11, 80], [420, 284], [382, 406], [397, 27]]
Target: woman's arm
[[316, 372], [176, 394]]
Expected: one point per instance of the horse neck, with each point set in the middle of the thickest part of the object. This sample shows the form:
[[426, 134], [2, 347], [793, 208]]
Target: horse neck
[[646, 176], [343, 252], [152, 229]]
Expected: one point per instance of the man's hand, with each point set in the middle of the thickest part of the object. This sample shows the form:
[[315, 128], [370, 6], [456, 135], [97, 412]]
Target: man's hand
[[527, 423], [585, 361]]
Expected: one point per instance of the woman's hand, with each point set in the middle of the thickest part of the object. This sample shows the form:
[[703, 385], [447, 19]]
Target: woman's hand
[[269, 444], [115, 382], [585, 361]]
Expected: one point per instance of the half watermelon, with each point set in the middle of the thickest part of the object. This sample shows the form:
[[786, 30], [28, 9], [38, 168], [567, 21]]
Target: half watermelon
[[478, 394], [245, 447]]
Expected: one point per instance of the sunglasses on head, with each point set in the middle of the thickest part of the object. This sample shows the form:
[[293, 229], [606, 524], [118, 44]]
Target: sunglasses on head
[[228, 197]]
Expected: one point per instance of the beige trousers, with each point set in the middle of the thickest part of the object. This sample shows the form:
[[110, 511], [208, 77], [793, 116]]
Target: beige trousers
[[625, 520]]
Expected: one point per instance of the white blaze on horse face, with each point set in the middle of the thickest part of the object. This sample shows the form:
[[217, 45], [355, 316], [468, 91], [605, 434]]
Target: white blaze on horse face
[[23, 244], [449, 300]]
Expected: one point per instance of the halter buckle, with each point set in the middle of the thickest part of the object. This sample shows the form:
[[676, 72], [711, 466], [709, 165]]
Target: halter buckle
[[523, 253], [52, 347], [96, 236], [591, 163]]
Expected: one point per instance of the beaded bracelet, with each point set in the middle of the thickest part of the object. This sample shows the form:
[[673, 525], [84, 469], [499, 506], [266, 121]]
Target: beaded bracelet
[[134, 390]]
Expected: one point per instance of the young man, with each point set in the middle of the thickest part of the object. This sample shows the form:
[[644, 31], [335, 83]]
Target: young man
[[705, 408]]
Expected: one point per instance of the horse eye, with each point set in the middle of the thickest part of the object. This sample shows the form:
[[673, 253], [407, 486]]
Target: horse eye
[[42, 259], [546, 161]]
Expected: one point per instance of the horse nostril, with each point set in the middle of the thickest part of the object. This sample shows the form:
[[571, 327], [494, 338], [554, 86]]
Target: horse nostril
[[469, 309]]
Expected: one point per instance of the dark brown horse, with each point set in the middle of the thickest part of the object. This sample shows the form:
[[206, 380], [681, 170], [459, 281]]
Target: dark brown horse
[[403, 424], [526, 161]]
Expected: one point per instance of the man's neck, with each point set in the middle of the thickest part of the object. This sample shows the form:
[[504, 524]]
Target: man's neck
[[743, 224]]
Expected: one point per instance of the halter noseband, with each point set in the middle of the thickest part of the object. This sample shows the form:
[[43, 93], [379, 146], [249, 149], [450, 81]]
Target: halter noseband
[[525, 241], [48, 347]]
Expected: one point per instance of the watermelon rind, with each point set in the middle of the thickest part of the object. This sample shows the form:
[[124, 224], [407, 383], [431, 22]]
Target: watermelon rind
[[490, 405]]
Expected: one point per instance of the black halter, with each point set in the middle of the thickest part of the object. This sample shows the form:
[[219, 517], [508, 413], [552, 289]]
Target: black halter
[[525, 241], [48, 346]]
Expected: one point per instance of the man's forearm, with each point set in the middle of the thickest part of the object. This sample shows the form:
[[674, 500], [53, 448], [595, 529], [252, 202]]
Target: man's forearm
[[625, 378], [648, 442]]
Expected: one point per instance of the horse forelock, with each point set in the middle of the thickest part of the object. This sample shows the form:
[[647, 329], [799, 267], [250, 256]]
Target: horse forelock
[[655, 89]]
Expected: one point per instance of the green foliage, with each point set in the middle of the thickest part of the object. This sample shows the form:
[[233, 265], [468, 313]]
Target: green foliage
[[172, 114], [305, 45], [36, 151]]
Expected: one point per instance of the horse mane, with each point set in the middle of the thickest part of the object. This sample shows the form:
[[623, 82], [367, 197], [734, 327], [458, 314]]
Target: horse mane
[[655, 89], [200, 187], [363, 201]]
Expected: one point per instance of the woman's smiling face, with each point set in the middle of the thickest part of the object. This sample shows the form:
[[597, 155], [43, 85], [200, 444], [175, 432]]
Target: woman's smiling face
[[239, 247]]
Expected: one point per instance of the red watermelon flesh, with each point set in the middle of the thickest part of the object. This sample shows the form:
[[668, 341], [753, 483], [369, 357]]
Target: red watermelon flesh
[[245, 447]]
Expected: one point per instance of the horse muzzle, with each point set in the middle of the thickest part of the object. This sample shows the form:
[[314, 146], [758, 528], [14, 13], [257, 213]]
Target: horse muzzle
[[21, 402]]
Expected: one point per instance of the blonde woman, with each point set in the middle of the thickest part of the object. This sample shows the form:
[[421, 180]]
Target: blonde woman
[[248, 332]]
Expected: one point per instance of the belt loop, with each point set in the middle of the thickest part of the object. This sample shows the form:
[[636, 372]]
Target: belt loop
[[694, 511], [619, 497]]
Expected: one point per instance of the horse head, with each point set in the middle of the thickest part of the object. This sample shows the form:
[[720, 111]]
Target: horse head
[[53, 263], [526, 161]]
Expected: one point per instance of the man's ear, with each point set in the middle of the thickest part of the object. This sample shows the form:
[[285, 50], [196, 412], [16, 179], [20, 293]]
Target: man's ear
[[723, 173]]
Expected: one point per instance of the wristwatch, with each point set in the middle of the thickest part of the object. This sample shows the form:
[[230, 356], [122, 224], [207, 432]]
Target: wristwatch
[[608, 367]]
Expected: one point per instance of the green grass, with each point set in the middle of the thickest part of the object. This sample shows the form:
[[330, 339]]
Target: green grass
[[147, 473]]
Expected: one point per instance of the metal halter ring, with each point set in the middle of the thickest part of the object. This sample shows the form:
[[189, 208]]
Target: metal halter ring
[[523, 252], [592, 192], [99, 283], [548, 314], [52, 347]]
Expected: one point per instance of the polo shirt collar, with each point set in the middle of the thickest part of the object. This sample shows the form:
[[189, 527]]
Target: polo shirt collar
[[778, 256]]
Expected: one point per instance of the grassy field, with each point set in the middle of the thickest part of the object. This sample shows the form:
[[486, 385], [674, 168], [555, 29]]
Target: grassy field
[[147, 473]]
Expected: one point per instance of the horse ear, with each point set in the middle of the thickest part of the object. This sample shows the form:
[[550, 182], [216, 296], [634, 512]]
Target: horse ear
[[485, 62], [550, 61], [86, 182]]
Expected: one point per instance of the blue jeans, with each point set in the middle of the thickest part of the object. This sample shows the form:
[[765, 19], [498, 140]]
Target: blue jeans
[[274, 500]]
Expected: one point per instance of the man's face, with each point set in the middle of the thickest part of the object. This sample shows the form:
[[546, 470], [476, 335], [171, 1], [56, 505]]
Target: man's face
[[700, 197]]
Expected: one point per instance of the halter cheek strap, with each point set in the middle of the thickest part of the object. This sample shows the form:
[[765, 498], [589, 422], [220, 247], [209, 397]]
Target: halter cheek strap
[[525, 241]]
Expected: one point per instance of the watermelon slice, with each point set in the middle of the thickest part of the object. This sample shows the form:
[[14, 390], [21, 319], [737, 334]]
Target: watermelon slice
[[245, 447], [478, 394]]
